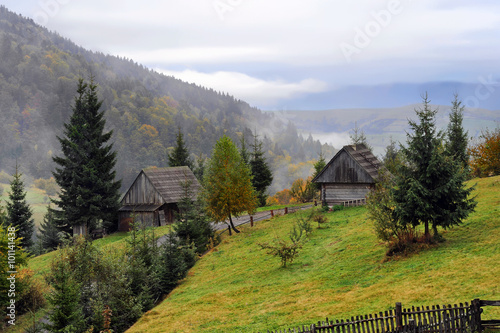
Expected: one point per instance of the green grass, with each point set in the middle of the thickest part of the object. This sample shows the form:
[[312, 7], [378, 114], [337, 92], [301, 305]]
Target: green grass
[[340, 272], [36, 198]]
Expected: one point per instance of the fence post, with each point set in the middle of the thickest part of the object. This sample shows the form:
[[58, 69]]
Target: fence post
[[272, 213], [286, 210], [399, 317], [476, 310], [251, 220], [411, 325]]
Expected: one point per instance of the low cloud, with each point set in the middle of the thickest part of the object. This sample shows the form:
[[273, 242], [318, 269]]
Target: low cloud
[[256, 91]]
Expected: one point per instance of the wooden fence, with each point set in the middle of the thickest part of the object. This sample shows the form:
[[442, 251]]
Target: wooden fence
[[462, 318]]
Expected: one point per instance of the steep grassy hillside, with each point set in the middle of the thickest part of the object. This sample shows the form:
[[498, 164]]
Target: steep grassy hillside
[[340, 272]]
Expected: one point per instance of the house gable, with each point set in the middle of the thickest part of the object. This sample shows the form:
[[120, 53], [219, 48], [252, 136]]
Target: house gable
[[350, 166], [142, 192]]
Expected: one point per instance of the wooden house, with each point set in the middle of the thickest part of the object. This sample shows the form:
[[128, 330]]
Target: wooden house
[[348, 176], [153, 197]]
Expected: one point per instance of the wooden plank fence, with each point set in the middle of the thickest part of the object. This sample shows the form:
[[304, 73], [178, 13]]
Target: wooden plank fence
[[462, 318]]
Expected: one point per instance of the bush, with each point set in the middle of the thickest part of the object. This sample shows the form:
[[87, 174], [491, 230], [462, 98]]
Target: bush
[[485, 154], [287, 252], [406, 242]]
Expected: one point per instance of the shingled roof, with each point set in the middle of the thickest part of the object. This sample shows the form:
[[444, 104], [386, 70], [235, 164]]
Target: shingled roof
[[157, 186], [361, 155], [168, 182]]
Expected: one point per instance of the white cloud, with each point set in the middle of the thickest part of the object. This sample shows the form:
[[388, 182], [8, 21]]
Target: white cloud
[[253, 90]]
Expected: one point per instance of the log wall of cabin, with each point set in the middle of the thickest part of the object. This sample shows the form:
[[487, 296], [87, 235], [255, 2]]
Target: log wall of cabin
[[334, 194], [345, 170], [142, 191]]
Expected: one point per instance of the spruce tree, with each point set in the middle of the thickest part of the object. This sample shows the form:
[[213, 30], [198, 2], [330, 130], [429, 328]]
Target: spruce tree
[[49, 232], [243, 150], [67, 315], [19, 213], [457, 142], [180, 154], [318, 167], [85, 172], [262, 177], [430, 187]]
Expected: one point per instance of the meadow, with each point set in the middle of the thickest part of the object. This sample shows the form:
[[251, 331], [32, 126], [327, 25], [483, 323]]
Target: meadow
[[341, 271]]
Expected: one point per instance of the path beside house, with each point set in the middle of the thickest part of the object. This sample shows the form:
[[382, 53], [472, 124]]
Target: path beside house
[[244, 219]]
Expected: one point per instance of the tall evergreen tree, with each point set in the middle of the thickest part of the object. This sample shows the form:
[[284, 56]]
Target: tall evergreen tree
[[3, 216], [228, 189], [85, 172], [457, 142], [67, 315], [318, 167], [19, 213], [199, 170], [358, 136], [262, 177], [243, 150], [180, 154], [430, 185], [49, 232]]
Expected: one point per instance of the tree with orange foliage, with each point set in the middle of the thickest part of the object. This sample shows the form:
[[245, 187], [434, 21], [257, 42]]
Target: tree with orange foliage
[[485, 155], [302, 190]]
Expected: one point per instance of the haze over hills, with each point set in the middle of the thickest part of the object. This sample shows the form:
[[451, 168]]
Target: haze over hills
[[379, 124], [39, 71]]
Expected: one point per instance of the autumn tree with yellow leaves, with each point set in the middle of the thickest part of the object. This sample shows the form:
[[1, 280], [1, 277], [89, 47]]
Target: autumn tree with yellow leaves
[[227, 185]]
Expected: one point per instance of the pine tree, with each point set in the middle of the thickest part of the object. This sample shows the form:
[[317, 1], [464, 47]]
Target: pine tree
[[457, 142], [430, 185], [66, 315], [85, 172], [358, 136], [262, 177], [199, 170], [3, 216], [228, 189], [19, 213], [318, 167], [243, 150], [193, 226], [49, 232], [180, 154]]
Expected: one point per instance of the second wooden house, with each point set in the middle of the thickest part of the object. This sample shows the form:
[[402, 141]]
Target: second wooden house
[[153, 197], [348, 176]]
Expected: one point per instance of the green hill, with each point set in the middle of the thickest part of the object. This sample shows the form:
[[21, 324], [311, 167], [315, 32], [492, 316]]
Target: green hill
[[39, 72], [339, 273]]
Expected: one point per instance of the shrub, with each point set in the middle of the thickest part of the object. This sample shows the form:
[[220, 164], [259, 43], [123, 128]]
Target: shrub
[[287, 252], [485, 154]]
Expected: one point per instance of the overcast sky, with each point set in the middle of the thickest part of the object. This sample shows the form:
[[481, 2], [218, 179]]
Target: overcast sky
[[268, 52]]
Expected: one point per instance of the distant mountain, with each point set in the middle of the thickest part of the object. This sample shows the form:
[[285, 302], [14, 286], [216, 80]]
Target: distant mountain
[[39, 71], [484, 93], [333, 126]]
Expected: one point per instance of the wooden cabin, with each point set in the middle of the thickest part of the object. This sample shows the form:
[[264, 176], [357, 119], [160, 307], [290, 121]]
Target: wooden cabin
[[348, 176], [153, 196]]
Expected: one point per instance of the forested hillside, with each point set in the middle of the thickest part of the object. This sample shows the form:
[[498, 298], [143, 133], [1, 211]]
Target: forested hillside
[[38, 78]]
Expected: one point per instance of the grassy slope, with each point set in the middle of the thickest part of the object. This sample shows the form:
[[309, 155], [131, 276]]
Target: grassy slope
[[340, 273], [36, 198]]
